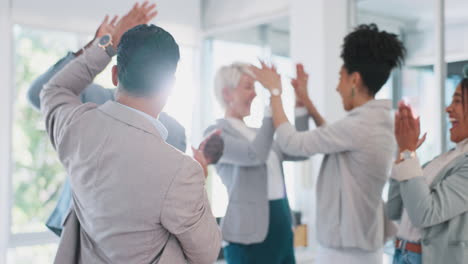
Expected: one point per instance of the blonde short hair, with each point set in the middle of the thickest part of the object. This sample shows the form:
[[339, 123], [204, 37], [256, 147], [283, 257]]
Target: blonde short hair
[[228, 77]]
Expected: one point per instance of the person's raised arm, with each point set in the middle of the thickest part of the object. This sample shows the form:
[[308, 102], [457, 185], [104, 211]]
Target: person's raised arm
[[300, 84], [87, 95], [242, 152], [60, 97]]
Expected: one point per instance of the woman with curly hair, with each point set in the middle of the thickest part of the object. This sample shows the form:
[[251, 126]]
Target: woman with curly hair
[[351, 223]]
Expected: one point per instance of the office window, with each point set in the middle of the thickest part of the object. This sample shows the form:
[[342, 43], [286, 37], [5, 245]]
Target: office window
[[37, 174]]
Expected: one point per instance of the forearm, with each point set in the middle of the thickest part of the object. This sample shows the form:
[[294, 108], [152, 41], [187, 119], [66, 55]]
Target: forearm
[[394, 205], [38, 84], [79, 73], [242, 152], [279, 116], [314, 113]]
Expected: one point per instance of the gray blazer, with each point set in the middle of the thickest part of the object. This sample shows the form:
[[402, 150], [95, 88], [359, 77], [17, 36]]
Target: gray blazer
[[243, 171], [440, 210], [136, 199], [97, 94]]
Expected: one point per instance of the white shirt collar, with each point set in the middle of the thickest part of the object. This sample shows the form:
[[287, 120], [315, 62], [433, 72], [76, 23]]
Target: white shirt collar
[[156, 123]]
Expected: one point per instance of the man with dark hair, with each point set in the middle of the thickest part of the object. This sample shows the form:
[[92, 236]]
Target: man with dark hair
[[93, 93], [136, 199]]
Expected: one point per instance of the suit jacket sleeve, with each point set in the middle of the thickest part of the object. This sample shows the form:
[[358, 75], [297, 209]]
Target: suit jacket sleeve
[[94, 93], [176, 137], [187, 214], [302, 124], [445, 200], [394, 205], [344, 135], [241, 152], [60, 100], [37, 85]]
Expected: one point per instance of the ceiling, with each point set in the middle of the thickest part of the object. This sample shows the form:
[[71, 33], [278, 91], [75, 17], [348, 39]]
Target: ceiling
[[415, 10]]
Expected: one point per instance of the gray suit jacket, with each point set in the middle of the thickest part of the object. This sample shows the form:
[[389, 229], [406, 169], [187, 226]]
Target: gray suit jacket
[[440, 210], [243, 171], [97, 94], [136, 199]]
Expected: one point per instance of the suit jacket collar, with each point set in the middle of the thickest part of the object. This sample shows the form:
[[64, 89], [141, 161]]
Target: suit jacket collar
[[129, 117], [462, 159]]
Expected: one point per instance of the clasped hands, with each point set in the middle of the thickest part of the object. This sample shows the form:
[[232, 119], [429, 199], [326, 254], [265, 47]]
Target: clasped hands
[[269, 77], [407, 129]]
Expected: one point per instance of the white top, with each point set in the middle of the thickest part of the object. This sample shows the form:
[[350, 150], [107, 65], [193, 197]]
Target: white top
[[406, 229], [275, 177], [359, 154]]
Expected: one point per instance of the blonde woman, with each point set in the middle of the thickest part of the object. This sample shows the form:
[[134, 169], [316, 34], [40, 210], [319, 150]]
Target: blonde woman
[[257, 225]]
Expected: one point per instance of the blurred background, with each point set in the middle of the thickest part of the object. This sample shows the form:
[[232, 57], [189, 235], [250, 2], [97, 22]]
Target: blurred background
[[212, 33]]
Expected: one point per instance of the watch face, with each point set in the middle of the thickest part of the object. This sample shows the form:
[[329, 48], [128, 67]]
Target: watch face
[[104, 40]]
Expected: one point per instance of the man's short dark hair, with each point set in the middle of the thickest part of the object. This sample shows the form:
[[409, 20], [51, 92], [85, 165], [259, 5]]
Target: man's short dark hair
[[373, 54], [147, 58]]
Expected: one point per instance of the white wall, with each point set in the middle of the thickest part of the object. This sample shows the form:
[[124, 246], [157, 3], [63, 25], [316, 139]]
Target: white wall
[[225, 13], [317, 31], [180, 17], [421, 44]]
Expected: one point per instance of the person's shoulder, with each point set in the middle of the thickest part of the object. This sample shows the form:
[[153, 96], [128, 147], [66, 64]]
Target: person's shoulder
[[218, 124], [169, 122]]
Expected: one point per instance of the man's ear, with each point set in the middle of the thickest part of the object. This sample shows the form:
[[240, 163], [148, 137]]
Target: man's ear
[[357, 81], [115, 75]]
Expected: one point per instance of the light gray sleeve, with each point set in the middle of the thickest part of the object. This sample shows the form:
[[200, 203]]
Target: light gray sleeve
[[38, 84], [60, 97], [176, 136], [241, 152], [187, 214], [447, 199], [302, 124], [93, 93], [344, 135], [394, 204]]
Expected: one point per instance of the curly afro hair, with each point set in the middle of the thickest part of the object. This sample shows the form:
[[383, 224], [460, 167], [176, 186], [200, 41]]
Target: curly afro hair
[[373, 54]]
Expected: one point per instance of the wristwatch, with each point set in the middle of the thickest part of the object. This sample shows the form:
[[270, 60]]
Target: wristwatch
[[275, 92], [407, 154], [105, 42]]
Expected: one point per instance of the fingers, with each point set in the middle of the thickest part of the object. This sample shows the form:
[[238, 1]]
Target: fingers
[[106, 19], [397, 123], [144, 5], [294, 83], [421, 140], [300, 70], [405, 122], [114, 20], [151, 16]]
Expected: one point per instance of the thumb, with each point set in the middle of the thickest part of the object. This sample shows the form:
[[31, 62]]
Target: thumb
[[421, 140]]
